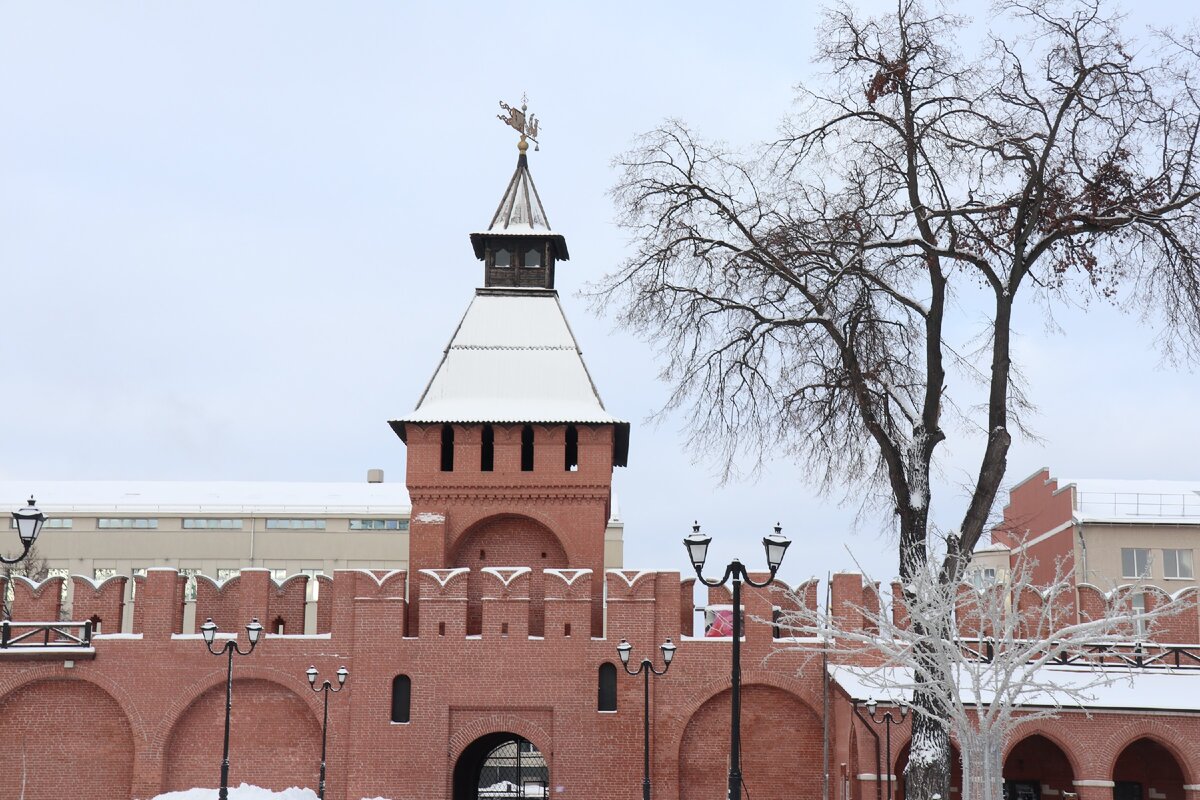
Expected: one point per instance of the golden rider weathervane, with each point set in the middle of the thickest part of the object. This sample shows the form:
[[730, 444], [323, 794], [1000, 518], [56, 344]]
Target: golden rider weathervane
[[522, 122]]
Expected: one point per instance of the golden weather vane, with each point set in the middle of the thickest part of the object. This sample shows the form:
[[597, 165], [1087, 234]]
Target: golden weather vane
[[522, 122]]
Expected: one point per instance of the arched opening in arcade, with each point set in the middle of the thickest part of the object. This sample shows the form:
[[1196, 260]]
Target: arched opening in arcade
[[1146, 770], [501, 766], [509, 540], [901, 763], [774, 767], [1037, 768]]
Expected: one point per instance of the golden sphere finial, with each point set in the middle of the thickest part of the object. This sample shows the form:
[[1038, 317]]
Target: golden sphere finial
[[522, 145]]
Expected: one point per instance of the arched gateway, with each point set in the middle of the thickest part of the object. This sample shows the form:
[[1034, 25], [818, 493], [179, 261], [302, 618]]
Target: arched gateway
[[501, 766]]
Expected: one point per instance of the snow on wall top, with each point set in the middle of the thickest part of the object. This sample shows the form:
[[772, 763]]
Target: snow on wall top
[[207, 496], [512, 359], [1098, 500]]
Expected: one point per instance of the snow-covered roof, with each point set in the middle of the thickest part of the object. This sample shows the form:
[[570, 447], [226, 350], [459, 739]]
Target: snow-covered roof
[[208, 496], [1152, 689], [512, 359], [520, 213], [1108, 500], [520, 209]]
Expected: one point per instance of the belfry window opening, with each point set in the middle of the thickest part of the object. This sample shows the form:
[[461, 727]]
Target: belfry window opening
[[487, 450], [533, 258], [572, 449], [527, 448], [503, 258], [447, 448]]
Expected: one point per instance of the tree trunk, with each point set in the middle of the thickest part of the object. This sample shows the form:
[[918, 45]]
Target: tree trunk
[[983, 767], [927, 776]]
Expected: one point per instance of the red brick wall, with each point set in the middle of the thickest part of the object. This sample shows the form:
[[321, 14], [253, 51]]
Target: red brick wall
[[509, 540], [775, 765], [64, 739], [275, 739]]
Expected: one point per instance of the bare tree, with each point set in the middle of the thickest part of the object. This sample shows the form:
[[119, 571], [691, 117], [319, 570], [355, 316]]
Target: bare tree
[[1009, 653], [802, 297]]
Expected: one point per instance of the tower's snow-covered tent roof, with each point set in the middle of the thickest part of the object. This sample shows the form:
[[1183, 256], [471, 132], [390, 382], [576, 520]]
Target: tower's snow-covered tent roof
[[514, 359], [520, 213]]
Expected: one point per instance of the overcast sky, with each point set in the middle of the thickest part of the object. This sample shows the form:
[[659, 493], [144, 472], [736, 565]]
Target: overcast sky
[[233, 241]]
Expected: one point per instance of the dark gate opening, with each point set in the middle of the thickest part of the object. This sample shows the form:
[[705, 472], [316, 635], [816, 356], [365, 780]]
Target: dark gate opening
[[501, 766]]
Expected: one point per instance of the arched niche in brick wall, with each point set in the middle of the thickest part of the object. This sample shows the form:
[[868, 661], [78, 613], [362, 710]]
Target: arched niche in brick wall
[[1039, 759], [774, 767], [273, 737], [508, 540], [57, 732], [1148, 770]]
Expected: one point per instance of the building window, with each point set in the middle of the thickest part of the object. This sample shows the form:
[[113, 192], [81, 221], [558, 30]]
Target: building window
[[503, 258], [378, 524], [296, 524], [533, 258], [101, 574], [52, 522], [606, 694], [527, 449], [983, 576], [1135, 562], [1177, 564], [208, 522], [225, 574], [1138, 605], [572, 454], [447, 448], [487, 452], [401, 698], [127, 522]]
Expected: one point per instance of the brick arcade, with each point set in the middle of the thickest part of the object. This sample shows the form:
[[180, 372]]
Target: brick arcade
[[504, 628]]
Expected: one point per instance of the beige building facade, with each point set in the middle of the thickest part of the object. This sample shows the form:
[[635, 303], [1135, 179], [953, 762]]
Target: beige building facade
[[1106, 533], [103, 528]]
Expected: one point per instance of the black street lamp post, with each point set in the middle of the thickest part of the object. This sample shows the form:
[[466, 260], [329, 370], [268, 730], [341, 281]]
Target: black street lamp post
[[29, 524], [647, 669], [325, 688], [209, 631], [887, 719], [776, 545]]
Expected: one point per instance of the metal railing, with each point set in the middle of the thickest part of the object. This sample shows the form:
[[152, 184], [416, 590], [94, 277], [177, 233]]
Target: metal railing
[[1142, 655], [15, 635], [1140, 504]]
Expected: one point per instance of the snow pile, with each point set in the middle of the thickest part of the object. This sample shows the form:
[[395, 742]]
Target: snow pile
[[243, 792], [246, 792]]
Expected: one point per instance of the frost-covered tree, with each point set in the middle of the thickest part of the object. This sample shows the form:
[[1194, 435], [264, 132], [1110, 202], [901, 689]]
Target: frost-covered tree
[[819, 297], [1008, 652]]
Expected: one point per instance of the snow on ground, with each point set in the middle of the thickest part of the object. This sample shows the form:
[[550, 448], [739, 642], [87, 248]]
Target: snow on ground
[[246, 792]]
